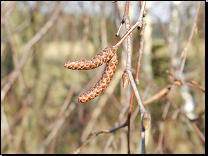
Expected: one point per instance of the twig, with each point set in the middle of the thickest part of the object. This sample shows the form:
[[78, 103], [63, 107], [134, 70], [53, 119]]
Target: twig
[[121, 115], [142, 109], [178, 109], [161, 125], [160, 94], [128, 64], [95, 133], [169, 43], [9, 11], [137, 24], [26, 51], [184, 52], [14, 51], [24, 106], [63, 114], [182, 113], [102, 101], [140, 51], [133, 84], [83, 44], [143, 151], [5, 125], [193, 84]]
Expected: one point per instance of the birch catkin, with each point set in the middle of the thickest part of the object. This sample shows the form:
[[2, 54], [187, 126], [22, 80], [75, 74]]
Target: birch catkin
[[103, 82], [95, 62]]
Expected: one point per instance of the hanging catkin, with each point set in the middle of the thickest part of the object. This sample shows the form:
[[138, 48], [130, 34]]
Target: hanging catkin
[[103, 82], [95, 62]]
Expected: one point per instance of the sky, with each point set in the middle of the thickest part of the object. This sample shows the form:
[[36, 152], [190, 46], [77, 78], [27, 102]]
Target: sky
[[161, 8]]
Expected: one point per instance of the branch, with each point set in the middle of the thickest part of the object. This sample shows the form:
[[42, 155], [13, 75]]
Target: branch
[[137, 24], [26, 51], [184, 52]]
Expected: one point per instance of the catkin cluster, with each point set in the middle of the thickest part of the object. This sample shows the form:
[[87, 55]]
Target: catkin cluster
[[107, 55]]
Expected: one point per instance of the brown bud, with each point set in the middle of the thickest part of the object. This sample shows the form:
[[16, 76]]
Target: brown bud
[[194, 83], [177, 83], [146, 120], [125, 79]]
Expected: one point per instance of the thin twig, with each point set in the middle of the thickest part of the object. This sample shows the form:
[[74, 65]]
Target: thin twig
[[24, 106], [83, 45], [63, 114], [193, 84], [14, 51], [128, 64], [95, 133], [161, 125], [137, 24], [184, 52], [26, 51], [121, 115], [178, 109], [169, 43], [5, 126], [133, 84], [140, 52]]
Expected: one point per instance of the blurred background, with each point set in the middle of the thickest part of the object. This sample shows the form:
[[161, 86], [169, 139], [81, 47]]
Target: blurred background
[[39, 108]]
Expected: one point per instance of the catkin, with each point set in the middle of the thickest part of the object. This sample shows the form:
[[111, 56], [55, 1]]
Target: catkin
[[103, 82], [95, 62]]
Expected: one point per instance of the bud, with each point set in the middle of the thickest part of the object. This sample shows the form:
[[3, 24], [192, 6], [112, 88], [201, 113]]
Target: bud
[[177, 83], [146, 120], [194, 83], [125, 79]]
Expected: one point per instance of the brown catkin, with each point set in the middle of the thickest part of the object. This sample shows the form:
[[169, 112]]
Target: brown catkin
[[103, 82], [95, 62]]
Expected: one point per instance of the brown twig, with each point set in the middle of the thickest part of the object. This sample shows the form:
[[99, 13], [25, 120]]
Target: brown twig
[[26, 51], [14, 51], [169, 43], [121, 115], [178, 109], [128, 64], [133, 84], [18, 29], [83, 44], [184, 52], [137, 24], [24, 106], [140, 51], [95, 133], [182, 113], [63, 114], [9, 9], [194, 84], [160, 94], [5, 124], [161, 125]]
